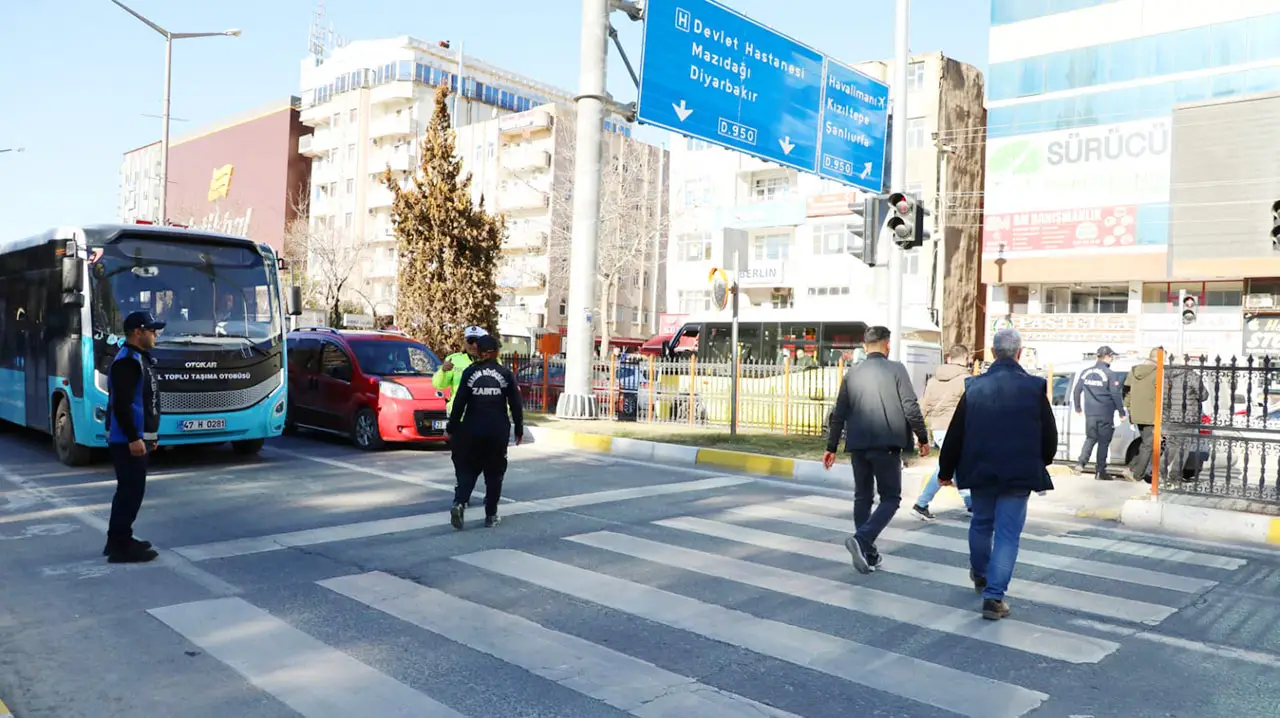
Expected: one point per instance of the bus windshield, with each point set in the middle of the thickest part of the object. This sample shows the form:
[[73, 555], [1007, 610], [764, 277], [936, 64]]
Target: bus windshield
[[198, 289]]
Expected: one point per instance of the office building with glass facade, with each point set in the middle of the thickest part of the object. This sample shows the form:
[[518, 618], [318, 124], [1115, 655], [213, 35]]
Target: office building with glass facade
[[1078, 223]]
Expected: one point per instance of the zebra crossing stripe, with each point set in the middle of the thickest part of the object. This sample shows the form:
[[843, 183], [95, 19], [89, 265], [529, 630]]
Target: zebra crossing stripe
[[939, 686], [626, 683], [1111, 607], [383, 527], [1009, 633], [1131, 548], [1098, 569], [310, 677]]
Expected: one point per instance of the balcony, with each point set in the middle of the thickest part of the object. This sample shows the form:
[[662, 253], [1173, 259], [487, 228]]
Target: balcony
[[526, 160], [308, 147], [381, 270], [526, 242], [400, 160], [380, 198], [392, 126], [317, 116], [523, 199], [524, 123], [392, 94], [523, 281]]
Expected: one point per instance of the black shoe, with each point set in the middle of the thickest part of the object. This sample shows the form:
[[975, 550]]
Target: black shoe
[[106, 550], [456, 515], [994, 610], [875, 559], [132, 553], [491, 521], [1104, 477], [922, 513], [979, 582], [859, 555]]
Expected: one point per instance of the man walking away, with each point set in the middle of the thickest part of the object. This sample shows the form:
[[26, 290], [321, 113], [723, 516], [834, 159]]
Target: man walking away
[[133, 420], [479, 427], [1140, 401], [1000, 441], [877, 408], [941, 395], [1099, 395]]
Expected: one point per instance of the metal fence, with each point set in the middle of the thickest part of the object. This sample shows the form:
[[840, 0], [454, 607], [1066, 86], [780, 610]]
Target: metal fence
[[788, 397], [1220, 428]]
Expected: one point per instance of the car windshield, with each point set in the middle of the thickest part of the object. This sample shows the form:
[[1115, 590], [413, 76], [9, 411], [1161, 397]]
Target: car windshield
[[391, 357], [199, 289]]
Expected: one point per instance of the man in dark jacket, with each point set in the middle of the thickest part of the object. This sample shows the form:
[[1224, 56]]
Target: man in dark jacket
[[1100, 397], [1001, 438], [877, 408], [479, 428], [133, 423]]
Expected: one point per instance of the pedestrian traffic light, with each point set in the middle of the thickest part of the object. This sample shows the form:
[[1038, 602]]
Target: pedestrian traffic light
[[1189, 308], [906, 220], [1275, 224]]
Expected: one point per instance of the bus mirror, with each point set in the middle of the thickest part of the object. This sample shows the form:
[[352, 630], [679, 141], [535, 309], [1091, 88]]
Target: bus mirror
[[72, 299], [294, 301], [72, 275]]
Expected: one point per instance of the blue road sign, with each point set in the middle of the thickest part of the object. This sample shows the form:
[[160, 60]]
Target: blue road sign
[[712, 73]]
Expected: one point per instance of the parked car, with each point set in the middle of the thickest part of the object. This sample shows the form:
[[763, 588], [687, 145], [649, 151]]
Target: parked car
[[373, 387]]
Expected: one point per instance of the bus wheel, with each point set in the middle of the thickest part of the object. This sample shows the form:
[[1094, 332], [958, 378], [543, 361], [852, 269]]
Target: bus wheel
[[64, 438], [248, 447]]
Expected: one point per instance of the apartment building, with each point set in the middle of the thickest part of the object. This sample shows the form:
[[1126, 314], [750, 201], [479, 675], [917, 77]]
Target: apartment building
[[369, 103], [523, 165], [799, 237], [1127, 163]]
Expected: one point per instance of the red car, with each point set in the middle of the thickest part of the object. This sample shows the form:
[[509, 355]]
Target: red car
[[374, 387]]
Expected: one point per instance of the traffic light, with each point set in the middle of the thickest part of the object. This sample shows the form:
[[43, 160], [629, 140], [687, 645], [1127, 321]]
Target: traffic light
[[1275, 224], [906, 220], [874, 211], [1189, 308]]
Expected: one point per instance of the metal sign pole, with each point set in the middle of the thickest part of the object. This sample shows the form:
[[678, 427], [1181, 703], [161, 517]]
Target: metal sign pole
[[733, 354], [1182, 297]]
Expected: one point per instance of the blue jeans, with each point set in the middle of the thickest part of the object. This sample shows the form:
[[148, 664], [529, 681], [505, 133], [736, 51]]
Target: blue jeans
[[931, 488], [994, 532]]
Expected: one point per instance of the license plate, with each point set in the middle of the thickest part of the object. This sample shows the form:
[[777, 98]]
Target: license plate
[[440, 425], [204, 424]]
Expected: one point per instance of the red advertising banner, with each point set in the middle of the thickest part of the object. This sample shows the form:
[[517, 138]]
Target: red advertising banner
[[1049, 230]]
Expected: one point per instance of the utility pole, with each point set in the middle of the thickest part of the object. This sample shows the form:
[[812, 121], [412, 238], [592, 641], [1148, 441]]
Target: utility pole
[[657, 243], [898, 180], [577, 401]]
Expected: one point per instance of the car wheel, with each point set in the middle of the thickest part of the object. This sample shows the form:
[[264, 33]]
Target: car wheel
[[64, 438], [365, 431]]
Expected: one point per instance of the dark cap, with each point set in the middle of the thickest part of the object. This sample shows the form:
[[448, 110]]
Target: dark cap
[[487, 343], [1106, 351], [141, 320]]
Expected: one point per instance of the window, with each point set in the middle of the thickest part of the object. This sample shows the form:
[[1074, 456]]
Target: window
[[782, 300], [915, 76], [335, 363], [697, 192], [1160, 297], [348, 221], [1019, 299], [694, 247], [693, 302], [351, 153], [383, 357], [837, 238], [351, 116], [351, 186], [767, 189], [1099, 299], [916, 133], [333, 189], [771, 246]]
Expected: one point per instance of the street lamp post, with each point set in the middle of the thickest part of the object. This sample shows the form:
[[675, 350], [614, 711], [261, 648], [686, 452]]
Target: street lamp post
[[169, 37]]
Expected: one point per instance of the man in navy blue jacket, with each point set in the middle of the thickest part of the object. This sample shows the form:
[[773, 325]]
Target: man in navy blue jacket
[[1099, 395], [1000, 441]]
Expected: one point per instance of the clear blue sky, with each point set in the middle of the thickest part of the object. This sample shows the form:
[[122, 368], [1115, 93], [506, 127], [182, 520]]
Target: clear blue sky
[[83, 74]]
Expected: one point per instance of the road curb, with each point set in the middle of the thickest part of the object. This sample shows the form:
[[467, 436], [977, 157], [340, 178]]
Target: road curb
[[1202, 522], [4, 711]]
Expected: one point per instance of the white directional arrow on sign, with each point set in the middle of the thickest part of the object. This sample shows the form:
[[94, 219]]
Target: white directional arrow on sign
[[787, 145], [681, 111], [866, 171]]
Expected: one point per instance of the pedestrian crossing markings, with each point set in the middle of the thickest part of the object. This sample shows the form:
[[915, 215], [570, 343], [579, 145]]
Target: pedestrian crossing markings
[[318, 681]]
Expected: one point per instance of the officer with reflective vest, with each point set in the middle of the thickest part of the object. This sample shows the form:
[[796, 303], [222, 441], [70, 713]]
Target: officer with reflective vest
[[133, 423], [1100, 396]]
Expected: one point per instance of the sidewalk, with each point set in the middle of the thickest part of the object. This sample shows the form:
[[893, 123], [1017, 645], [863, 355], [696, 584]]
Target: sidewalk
[[798, 459]]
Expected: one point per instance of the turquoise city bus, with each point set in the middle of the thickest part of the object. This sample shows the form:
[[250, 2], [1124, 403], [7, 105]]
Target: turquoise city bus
[[220, 361]]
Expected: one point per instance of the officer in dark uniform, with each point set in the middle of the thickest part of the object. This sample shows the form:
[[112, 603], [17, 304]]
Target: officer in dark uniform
[[479, 427], [1103, 398], [133, 420]]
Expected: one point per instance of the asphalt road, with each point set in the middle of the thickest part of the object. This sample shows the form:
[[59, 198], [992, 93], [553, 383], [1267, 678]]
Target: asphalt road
[[319, 581]]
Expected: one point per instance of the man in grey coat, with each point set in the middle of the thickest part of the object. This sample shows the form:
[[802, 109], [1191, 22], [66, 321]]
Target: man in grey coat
[[878, 411]]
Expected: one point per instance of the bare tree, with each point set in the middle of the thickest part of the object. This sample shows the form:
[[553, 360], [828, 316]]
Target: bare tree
[[328, 257], [630, 225]]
